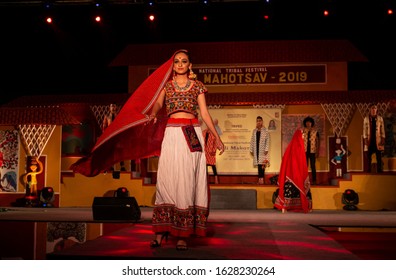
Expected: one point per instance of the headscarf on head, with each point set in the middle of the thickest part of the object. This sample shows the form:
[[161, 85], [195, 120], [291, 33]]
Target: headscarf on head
[[129, 136], [294, 170]]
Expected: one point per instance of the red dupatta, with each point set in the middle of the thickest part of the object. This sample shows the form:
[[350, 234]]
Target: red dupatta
[[294, 169], [129, 136]]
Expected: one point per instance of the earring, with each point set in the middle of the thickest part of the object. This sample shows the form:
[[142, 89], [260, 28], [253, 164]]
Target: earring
[[192, 76]]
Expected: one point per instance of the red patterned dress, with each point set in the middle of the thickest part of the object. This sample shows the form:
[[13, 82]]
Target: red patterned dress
[[182, 200]]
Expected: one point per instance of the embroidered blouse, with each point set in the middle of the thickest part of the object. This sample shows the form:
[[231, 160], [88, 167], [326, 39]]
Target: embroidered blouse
[[183, 101]]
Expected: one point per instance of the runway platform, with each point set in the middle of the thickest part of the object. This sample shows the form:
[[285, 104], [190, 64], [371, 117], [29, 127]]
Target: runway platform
[[233, 234]]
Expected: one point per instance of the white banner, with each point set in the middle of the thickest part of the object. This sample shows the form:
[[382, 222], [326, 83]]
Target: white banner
[[198, 269], [236, 127]]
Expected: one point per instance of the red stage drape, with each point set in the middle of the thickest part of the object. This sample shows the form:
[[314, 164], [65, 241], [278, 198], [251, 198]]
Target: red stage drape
[[129, 136]]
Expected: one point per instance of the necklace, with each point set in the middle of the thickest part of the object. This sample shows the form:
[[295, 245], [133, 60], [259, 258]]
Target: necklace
[[178, 88]]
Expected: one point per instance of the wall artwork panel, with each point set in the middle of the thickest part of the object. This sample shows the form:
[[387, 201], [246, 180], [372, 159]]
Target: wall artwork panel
[[9, 157], [292, 122]]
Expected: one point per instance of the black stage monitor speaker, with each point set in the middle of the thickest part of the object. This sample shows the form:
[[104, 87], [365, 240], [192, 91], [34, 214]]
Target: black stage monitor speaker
[[115, 208]]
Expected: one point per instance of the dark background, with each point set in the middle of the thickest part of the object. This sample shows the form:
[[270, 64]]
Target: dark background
[[73, 54]]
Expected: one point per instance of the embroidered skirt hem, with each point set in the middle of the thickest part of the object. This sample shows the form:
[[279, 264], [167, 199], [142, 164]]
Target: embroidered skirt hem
[[180, 222]]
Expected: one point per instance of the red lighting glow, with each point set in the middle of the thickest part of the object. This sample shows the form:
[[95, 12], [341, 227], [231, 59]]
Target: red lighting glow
[[390, 12], [98, 18], [48, 20], [151, 17], [205, 18], [325, 13], [266, 17]]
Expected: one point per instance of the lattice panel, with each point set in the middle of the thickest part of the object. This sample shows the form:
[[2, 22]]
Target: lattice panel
[[100, 111], [270, 106], [364, 109], [35, 137], [215, 106], [339, 115]]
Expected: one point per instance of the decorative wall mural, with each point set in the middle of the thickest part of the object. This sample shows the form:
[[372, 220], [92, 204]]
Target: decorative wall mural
[[295, 121], [9, 156]]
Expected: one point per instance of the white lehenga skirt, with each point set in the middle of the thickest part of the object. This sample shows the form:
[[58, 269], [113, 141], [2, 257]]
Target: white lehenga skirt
[[182, 194]]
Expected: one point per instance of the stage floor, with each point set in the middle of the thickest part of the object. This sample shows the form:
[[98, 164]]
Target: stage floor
[[233, 234]]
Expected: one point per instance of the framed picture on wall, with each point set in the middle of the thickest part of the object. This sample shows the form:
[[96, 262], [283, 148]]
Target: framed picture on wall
[[9, 157]]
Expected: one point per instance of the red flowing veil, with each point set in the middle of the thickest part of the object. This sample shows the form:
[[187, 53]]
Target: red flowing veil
[[130, 136], [294, 169]]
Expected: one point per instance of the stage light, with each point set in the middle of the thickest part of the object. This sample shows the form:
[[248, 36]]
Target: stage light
[[48, 11], [98, 4], [150, 3], [390, 12], [47, 196], [47, 4], [97, 11], [121, 192], [350, 198], [325, 13], [151, 17]]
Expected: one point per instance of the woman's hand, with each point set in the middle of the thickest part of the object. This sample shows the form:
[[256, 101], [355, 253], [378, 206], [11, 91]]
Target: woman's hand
[[220, 146], [151, 117]]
